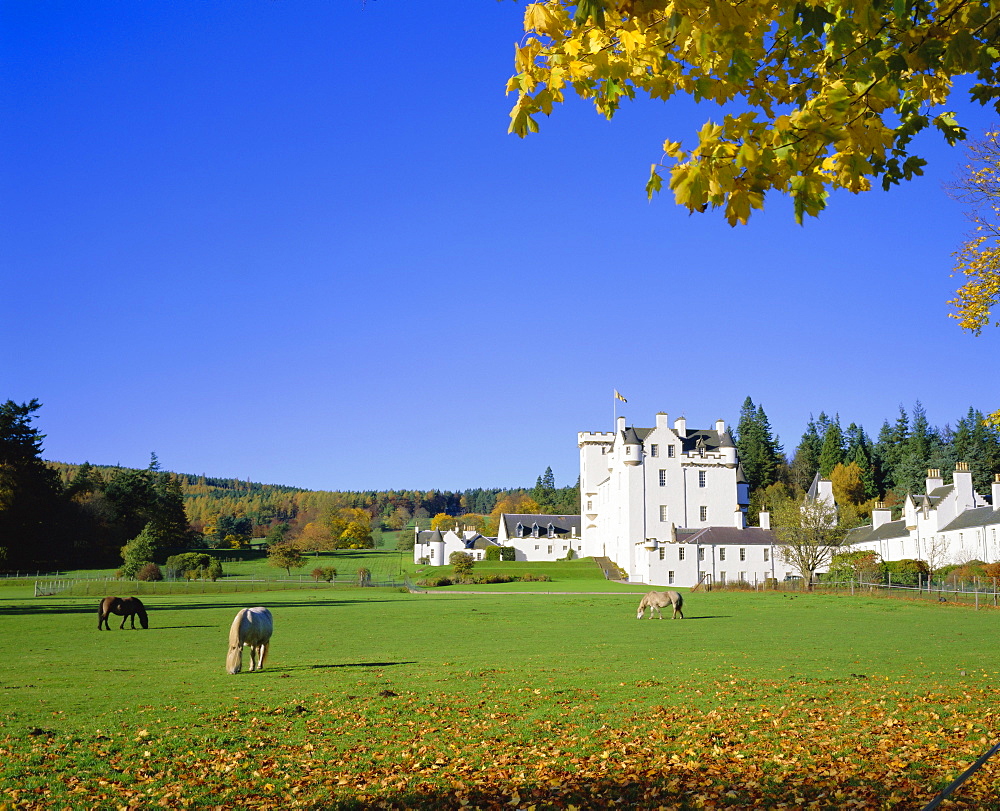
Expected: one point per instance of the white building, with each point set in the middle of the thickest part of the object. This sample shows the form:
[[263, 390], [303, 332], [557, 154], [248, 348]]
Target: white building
[[668, 505], [541, 537], [533, 537], [948, 523]]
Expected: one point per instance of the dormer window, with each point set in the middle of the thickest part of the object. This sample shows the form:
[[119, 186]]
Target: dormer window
[[551, 531], [534, 530], [520, 530]]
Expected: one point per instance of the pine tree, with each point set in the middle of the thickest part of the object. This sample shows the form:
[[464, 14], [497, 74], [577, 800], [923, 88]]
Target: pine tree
[[757, 449], [832, 453], [806, 461], [978, 444]]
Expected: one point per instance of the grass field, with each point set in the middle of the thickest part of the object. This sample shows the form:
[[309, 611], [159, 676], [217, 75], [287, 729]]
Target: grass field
[[375, 698]]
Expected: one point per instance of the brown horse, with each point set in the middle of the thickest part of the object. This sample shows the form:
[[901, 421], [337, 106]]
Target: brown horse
[[125, 608]]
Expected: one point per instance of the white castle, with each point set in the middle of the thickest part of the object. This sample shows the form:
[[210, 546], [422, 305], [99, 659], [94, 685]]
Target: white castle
[[668, 505]]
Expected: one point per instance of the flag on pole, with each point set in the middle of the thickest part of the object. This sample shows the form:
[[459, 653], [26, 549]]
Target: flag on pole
[[619, 397]]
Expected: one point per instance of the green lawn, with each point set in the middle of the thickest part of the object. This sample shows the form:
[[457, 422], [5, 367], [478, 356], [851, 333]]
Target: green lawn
[[375, 698]]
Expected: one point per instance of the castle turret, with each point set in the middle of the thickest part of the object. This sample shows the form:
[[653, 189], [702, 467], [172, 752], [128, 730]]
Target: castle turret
[[631, 447]]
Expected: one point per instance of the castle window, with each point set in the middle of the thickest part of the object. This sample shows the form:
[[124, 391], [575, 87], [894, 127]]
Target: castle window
[[670, 450], [743, 554], [703, 513], [628, 450], [722, 553], [663, 512], [590, 505], [663, 478], [663, 552], [767, 555], [680, 553], [670, 578], [722, 577], [654, 450], [701, 553], [550, 550], [702, 477]]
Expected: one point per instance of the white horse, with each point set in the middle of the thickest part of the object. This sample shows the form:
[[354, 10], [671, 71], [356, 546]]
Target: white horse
[[252, 627], [656, 600]]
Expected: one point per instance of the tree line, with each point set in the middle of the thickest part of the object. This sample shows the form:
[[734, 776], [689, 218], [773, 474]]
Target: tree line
[[863, 470]]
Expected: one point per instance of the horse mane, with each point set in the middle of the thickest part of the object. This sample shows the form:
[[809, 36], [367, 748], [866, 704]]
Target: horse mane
[[234, 659]]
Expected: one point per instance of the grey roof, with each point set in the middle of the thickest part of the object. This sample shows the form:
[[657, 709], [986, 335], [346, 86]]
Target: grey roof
[[890, 529], [630, 436], [814, 488], [732, 536], [561, 524], [741, 477], [726, 440], [429, 535], [974, 518], [710, 440]]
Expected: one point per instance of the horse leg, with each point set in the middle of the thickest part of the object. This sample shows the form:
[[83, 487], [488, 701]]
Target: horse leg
[[122, 626]]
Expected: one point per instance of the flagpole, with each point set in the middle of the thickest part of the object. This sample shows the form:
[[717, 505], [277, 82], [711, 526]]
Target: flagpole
[[614, 412]]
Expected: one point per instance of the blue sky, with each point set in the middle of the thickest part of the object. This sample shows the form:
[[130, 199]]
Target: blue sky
[[293, 242]]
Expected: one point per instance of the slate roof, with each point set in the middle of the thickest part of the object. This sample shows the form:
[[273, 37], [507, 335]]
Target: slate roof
[[890, 529], [732, 536], [562, 524], [702, 437], [974, 519], [429, 535]]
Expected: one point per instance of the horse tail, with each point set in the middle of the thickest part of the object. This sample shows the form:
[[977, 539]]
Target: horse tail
[[680, 601], [234, 659]]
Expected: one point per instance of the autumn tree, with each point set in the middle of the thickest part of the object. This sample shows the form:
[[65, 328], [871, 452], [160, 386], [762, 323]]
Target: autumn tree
[[848, 484], [356, 535], [815, 96], [285, 556], [807, 535], [978, 260]]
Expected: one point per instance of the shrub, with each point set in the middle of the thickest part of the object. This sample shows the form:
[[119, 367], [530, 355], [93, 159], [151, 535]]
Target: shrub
[[508, 553], [492, 553], [461, 562], [906, 572], [149, 571], [326, 573], [213, 571]]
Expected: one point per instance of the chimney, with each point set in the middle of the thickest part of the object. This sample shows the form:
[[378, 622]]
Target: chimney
[[934, 480], [661, 420], [996, 491], [880, 515], [963, 486], [621, 424], [764, 519], [739, 519], [681, 427], [720, 427]]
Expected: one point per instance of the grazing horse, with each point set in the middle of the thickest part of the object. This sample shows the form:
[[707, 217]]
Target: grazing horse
[[125, 608], [252, 627], [655, 600]]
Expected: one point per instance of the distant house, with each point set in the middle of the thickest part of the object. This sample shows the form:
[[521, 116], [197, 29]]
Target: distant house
[[540, 537], [434, 548], [948, 523]]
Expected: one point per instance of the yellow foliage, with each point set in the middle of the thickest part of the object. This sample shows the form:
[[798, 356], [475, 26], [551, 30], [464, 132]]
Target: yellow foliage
[[817, 102]]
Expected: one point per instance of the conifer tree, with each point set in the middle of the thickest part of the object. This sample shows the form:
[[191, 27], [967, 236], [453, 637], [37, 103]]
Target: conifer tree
[[757, 449], [832, 453], [806, 461]]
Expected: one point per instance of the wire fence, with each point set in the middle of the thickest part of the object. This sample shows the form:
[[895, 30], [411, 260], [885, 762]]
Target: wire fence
[[107, 586], [979, 592]]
